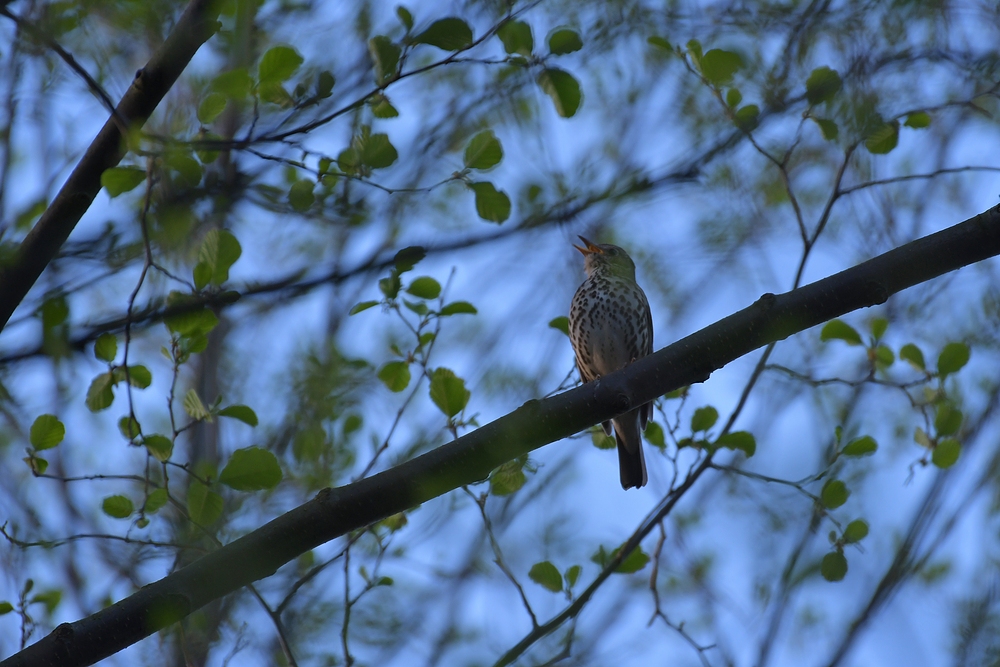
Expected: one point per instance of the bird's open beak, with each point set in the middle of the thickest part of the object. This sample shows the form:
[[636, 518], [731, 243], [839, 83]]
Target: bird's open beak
[[589, 247]]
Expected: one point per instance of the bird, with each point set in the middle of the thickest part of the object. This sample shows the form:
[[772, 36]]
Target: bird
[[610, 326]]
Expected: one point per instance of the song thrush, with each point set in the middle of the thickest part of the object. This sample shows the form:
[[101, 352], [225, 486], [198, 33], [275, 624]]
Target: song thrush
[[610, 327]]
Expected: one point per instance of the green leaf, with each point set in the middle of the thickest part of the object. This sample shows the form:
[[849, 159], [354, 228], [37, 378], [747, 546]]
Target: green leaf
[[275, 93], [278, 64], [408, 257], [660, 43], [834, 566], [918, 120], [601, 557], [382, 107], [27, 217], [300, 194], [385, 56], [375, 150], [834, 494], [743, 441], [325, 82], [418, 307], [856, 531], [106, 347], [448, 392], [634, 562], [572, 575], [219, 251], [100, 394], [49, 598], [947, 421], [46, 432], [129, 427], [54, 312], [952, 358], [424, 287], [348, 161], [155, 501], [822, 85], [829, 128], [840, 330], [234, 84], [458, 308], [878, 327], [352, 423], [198, 321], [483, 151], [704, 418], [251, 469], [733, 98], [862, 446], [602, 440], [883, 139], [491, 204], [516, 38], [194, 407], [560, 323], [138, 376], [508, 478], [545, 574], [747, 117], [364, 305], [946, 453], [912, 354], [718, 66], [188, 169], [563, 41], [450, 34], [159, 446], [206, 154], [563, 89], [694, 48], [921, 438], [884, 357], [244, 413], [118, 507], [204, 506], [390, 286], [395, 375], [654, 435], [405, 17], [6, 608], [37, 464], [119, 180], [395, 522], [211, 107]]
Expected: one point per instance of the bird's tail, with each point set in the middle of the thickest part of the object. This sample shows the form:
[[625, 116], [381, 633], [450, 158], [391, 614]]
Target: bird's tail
[[631, 463]]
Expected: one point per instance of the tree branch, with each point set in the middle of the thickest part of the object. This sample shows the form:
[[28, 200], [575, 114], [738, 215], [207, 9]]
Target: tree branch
[[469, 459]]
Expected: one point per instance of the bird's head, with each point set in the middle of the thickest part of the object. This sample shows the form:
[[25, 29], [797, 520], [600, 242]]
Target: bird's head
[[606, 259]]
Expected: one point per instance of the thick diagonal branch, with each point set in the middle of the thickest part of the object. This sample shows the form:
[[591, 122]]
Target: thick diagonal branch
[[335, 512]]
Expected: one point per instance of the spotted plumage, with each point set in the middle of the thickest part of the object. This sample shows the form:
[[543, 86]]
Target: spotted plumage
[[610, 326]]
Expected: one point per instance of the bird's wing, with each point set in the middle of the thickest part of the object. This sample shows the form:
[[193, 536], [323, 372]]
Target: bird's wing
[[649, 327]]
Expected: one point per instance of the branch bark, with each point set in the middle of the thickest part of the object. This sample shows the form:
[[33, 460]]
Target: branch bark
[[335, 512], [196, 24]]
